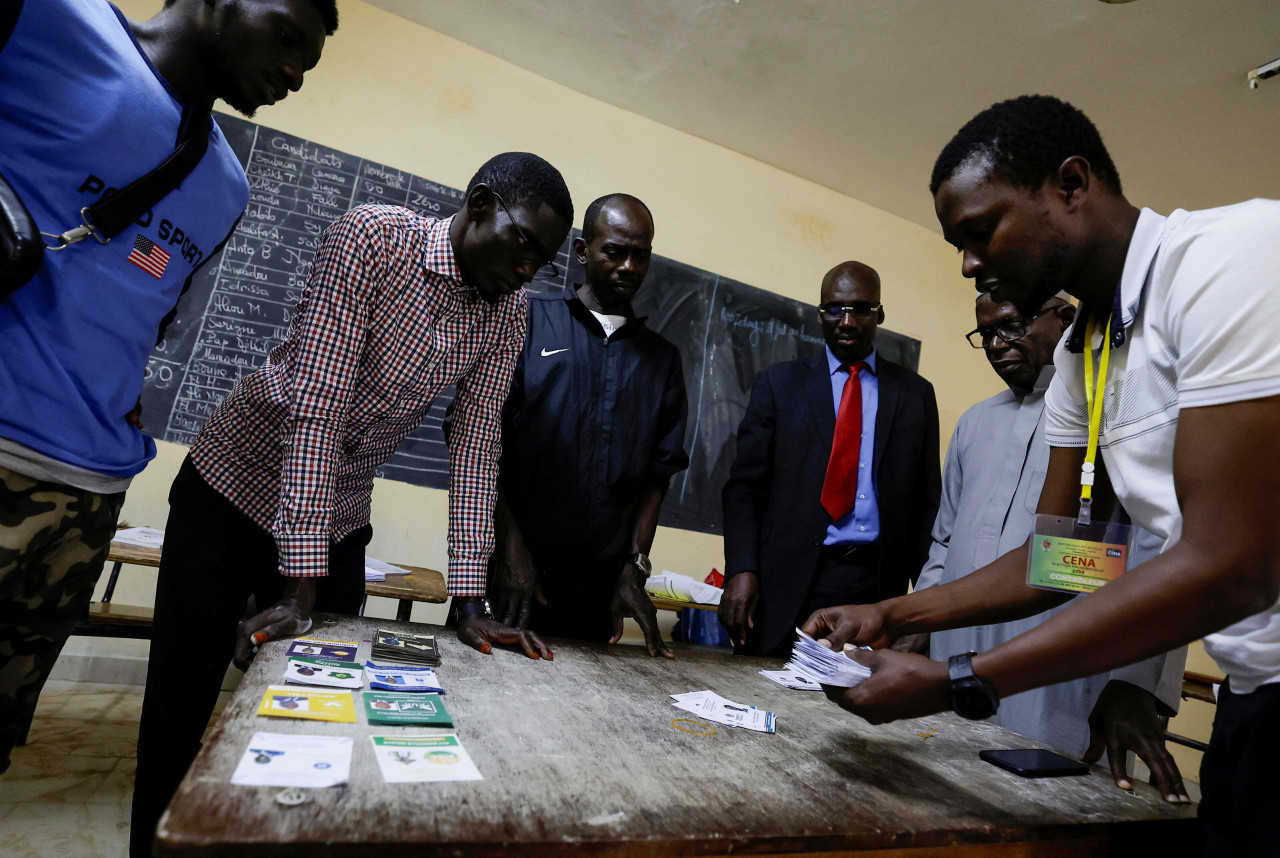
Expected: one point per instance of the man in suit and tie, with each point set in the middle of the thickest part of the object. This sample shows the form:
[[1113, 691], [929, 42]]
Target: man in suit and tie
[[835, 486]]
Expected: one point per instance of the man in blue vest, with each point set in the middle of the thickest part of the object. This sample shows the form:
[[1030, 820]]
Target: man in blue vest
[[89, 102]]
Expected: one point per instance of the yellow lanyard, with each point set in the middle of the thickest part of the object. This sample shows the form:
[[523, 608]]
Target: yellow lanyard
[[1093, 394]]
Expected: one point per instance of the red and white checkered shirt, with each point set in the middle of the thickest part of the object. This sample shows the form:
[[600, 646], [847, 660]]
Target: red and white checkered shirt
[[384, 325]]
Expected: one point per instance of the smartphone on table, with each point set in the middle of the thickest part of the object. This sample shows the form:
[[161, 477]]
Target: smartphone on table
[[1034, 762]]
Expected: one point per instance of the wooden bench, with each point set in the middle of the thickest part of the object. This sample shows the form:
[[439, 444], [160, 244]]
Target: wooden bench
[[107, 619]]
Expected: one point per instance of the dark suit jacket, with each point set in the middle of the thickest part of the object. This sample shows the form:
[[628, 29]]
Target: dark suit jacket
[[774, 522]]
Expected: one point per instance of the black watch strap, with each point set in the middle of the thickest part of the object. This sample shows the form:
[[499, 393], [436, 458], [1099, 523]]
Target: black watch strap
[[469, 606], [971, 696]]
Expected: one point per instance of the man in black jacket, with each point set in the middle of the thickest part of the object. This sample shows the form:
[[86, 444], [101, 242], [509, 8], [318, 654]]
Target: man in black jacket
[[836, 482], [593, 430]]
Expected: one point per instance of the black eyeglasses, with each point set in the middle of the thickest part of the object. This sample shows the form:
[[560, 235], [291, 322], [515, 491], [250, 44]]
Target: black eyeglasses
[[860, 309], [528, 247], [1008, 330]]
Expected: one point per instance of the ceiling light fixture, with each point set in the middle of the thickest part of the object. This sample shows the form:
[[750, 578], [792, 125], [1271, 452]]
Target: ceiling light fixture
[[1262, 72]]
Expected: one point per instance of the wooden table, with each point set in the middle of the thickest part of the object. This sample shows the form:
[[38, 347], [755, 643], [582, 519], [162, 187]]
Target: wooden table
[[580, 757]]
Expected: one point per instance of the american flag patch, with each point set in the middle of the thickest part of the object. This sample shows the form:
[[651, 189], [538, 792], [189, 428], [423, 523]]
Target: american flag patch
[[148, 257]]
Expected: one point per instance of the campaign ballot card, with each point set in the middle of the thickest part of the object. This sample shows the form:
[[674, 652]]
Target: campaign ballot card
[[286, 759], [405, 759], [286, 701], [317, 648], [389, 707], [398, 677], [321, 671], [403, 646]]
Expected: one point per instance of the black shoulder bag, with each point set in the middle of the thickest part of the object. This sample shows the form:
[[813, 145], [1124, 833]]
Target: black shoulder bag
[[22, 245]]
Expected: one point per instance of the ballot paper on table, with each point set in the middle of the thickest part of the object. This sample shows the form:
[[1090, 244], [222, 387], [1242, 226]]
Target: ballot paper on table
[[378, 570], [824, 665], [682, 588], [288, 759], [710, 706], [323, 671], [142, 537], [397, 677], [791, 679], [404, 759]]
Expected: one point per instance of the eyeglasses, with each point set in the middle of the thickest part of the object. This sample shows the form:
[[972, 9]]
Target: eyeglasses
[[528, 247], [1008, 330], [859, 309]]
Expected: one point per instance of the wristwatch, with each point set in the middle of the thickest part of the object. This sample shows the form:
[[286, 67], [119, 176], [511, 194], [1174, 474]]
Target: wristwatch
[[971, 696], [641, 562], [469, 606]]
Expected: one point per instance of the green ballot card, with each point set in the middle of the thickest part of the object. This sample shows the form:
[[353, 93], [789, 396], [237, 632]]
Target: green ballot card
[[388, 707], [1074, 558]]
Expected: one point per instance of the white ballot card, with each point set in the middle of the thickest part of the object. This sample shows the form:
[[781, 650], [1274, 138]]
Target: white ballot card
[[405, 759], [793, 679], [710, 706], [289, 759]]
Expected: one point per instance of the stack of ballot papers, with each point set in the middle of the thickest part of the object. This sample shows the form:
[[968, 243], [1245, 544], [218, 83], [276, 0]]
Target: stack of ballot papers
[[406, 648], [404, 759], [397, 677], [710, 706], [791, 679], [682, 588], [390, 707], [322, 671], [377, 570], [286, 759], [823, 665]]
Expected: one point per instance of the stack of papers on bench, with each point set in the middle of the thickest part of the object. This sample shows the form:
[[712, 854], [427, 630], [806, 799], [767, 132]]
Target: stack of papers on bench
[[823, 665], [377, 570], [682, 588]]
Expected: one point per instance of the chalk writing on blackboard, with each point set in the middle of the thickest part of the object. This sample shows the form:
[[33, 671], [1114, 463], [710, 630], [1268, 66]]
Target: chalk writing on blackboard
[[241, 303]]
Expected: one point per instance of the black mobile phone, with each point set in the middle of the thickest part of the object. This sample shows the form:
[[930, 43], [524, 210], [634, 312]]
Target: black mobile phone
[[1034, 762]]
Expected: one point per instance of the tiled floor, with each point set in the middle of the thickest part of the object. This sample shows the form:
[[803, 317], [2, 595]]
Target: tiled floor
[[68, 791]]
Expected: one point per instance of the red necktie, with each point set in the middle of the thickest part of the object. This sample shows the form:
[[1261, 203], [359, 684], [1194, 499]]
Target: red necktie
[[840, 488]]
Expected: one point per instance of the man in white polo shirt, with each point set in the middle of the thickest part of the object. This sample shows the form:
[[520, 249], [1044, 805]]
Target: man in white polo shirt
[[1187, 433]]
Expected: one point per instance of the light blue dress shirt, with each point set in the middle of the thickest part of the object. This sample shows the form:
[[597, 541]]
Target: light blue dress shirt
[[862, 525]]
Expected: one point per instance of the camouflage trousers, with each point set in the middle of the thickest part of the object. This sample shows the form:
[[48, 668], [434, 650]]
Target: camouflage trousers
[[53, 543]]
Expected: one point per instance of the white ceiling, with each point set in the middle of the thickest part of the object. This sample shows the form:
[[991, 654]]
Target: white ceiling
[[860, 95]]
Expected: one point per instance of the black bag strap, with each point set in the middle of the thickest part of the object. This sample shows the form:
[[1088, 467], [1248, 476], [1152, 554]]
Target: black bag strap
[[110, 216]]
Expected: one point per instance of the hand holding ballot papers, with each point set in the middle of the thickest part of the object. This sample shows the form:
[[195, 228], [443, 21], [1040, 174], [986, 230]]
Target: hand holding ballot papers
[[823, 665]]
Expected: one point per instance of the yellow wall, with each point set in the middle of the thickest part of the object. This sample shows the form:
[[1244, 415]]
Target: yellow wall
[[409, 97]]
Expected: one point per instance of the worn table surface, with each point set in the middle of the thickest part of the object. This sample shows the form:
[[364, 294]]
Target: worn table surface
[[580, 757]]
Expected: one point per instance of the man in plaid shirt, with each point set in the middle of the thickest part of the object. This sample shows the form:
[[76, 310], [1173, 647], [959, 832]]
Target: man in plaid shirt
[[273, 500]]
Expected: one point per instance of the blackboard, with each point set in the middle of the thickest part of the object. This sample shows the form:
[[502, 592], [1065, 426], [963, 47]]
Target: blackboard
[[239, 306]]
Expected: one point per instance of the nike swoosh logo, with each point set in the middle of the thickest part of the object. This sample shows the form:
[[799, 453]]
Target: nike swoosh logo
[[546, 353]]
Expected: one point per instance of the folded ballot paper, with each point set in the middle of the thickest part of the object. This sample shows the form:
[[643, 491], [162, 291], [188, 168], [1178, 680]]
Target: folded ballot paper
[[682, 588], [710, 706], [825, 666]]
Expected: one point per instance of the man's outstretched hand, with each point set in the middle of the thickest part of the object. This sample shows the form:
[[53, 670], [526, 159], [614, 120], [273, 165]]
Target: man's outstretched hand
[[480, 632], [287, 617]]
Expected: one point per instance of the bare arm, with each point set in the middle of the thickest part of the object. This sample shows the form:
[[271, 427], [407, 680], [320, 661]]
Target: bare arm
[[1226, 566], [629, 598]]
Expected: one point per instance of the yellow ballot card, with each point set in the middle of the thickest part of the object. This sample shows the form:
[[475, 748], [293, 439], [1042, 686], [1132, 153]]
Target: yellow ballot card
[[286, 701]]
